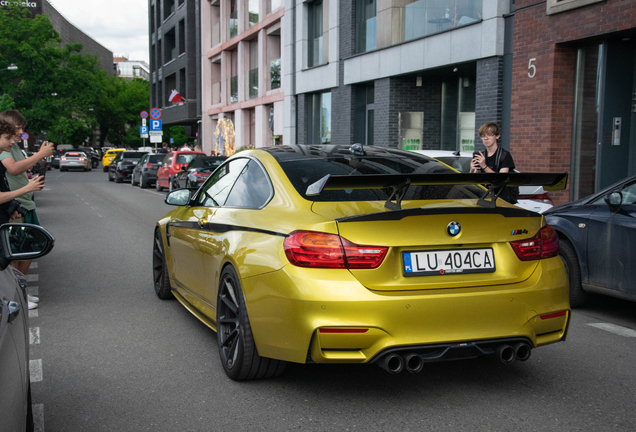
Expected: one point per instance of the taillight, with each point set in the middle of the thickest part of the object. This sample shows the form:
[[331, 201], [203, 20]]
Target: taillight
[[321, 250], [81, 159], [543, 245], [544, 198], [200, 174], [63, 158], [148, 165]]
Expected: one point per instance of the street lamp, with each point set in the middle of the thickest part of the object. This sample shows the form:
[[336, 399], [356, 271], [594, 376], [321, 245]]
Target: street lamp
[[11, 67]]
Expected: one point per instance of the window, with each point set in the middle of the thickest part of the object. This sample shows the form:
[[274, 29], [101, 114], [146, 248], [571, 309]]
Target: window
[[252, 12], [182, 37], [315, 34], [364, 114], [556, 6], [252, 75], [217, 188], [215, 24], [170, 45], [233, 20], [233, 80], [252, 189], [274, 5], [365, 25], [273, 59], [319, 118]]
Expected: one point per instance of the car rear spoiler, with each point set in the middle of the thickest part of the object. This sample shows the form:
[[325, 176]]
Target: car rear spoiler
[[399, 183]]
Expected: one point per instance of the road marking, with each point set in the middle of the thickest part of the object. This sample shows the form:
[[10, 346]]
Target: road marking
[[95, 210], [33, 265], [613, 328], [33, 313], [38, 417], [36, 370], [34, 335], [32, 277]]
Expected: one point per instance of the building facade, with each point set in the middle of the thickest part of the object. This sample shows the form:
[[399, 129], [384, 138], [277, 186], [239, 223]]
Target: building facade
[[397, 73], [242, 60], [175, 61], [573, 91], [131, 69]]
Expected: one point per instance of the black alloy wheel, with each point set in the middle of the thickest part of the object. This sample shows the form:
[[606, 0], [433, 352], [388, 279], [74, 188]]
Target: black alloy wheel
[[569, 257], [237, 350], [160, 269]]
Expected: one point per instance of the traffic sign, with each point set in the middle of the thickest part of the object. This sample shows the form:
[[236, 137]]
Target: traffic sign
[[143, 130], [144, 114], [156, 133], [156, 138], [25, 136], [155, 125], [155, 113], [143, 122]]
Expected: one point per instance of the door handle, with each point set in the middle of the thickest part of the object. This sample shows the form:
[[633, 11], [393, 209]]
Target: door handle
[[14, 310]]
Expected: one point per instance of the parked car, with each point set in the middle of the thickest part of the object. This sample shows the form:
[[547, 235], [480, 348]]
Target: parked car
[[121, 168], [197, 171], [172, 163], [109, 156], [145, 172], [598, 242], [351, 255], [19, 242], [533, 198], [75, 160], [57, 154]]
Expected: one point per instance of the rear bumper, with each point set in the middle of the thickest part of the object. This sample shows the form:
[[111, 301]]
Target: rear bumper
[[362, 324]]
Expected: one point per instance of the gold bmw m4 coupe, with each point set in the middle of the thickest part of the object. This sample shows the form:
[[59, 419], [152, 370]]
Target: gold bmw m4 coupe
[[356, 254]]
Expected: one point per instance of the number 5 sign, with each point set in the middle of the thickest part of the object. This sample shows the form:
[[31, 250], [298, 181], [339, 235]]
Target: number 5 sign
[[532, 69]]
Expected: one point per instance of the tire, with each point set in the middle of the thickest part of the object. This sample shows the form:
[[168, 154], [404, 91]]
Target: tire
[[237, 350], [159, 188], [118, 179], [94, 164], [110, 178], [569, 257], [106, 169], [160, 269], [170, 184], [62, 169], [132, 180], [142, 183]]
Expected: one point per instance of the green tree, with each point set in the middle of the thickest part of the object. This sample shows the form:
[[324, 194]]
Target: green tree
[[177, 133]]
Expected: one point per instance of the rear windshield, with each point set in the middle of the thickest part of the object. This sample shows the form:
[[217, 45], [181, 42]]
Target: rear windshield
[[184, 158], [132, 155], [112, 152], [75, 154], [312, 163], [206, 162], [155, 158]]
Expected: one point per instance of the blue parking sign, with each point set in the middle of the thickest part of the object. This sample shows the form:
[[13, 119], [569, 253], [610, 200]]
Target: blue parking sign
[[155, 125], [143, 130]]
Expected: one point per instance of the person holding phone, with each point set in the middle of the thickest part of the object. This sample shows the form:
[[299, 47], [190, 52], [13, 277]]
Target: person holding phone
[[494, 159]]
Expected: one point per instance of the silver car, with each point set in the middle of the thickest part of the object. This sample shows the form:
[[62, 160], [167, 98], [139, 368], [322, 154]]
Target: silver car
[[17, 242], [75, 160]]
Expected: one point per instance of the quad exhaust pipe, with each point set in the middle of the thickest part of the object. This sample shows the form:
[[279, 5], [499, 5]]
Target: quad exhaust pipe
[[413, 362]]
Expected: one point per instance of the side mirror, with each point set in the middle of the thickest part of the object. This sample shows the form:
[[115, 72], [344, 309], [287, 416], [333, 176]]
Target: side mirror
[[179, 197], [614, 201], [19, 241]]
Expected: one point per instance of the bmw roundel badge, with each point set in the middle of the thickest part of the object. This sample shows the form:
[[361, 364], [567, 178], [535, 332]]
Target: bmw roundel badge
[[453, 228]]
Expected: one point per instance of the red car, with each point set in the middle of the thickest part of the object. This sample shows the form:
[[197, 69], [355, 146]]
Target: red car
[[173, 163]]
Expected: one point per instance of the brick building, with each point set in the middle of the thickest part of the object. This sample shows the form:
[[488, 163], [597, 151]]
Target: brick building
[[573, 85]]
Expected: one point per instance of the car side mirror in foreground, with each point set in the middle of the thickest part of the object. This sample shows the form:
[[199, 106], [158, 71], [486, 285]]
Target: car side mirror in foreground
[[614, 201], [19, 241], [179, 197]]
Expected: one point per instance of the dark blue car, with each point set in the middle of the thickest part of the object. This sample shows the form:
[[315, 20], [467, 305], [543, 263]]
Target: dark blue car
[[598, 242]]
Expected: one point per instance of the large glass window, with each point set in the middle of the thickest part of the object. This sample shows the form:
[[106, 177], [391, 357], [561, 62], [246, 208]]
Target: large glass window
[[315, 34], [219, 185], [252, 75], [232, 86], [232, 26], [458, 113], [366, 25], [252, 12], [364, 109], [319, 118], [273, 60]]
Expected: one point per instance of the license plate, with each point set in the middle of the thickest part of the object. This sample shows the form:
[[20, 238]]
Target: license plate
[[448, 261]]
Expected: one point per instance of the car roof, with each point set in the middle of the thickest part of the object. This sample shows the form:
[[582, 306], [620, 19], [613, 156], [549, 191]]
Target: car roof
[[443, 153]]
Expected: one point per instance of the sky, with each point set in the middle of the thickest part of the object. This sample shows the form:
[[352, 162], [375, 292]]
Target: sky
[[119, 25]]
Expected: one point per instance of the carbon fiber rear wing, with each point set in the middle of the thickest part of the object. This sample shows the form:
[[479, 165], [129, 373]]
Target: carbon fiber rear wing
[[399, 183]]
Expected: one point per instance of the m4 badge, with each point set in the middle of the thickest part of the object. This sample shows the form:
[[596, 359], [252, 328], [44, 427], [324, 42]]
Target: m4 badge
[[519, 232]]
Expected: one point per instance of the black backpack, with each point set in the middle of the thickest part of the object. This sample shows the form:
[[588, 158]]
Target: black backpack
[[509, 193]]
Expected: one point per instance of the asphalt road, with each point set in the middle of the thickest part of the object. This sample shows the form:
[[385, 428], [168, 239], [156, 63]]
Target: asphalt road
[[116, 358]]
